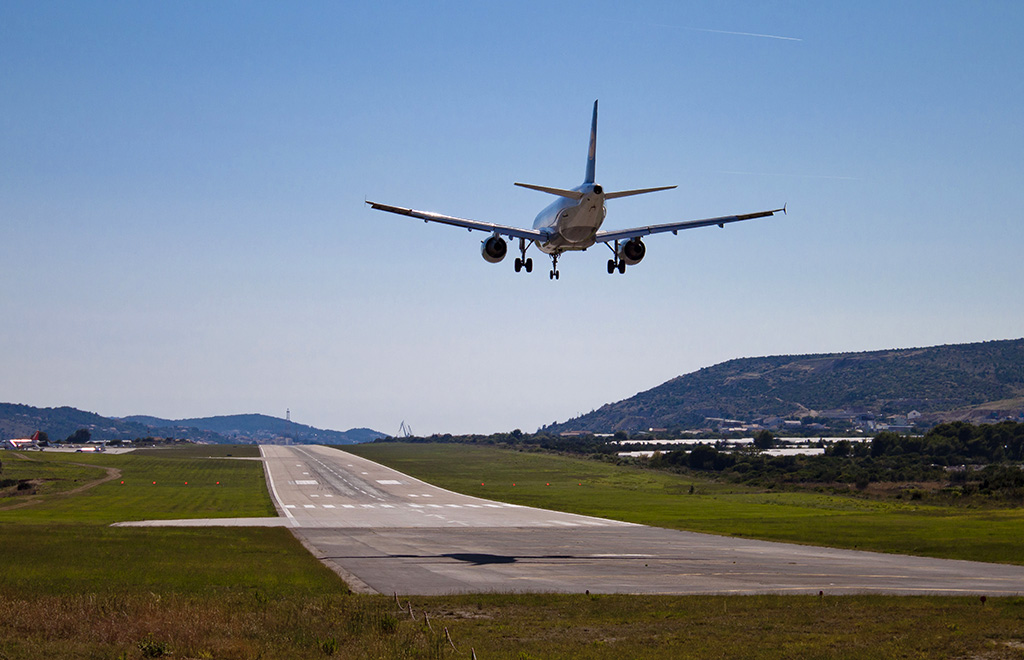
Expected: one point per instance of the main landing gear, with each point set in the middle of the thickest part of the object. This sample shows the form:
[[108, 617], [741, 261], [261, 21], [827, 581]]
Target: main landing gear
[[523, 262], [616, 265], [554, 266]]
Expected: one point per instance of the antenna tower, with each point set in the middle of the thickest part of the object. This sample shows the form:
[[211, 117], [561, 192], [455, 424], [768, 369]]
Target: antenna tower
[[288, 414], [404, 431]]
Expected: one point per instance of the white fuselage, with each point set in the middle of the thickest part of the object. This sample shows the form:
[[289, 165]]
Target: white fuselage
[[572, 224]]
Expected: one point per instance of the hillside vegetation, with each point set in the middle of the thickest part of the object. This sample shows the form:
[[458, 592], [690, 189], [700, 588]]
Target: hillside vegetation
[[970, 382], [21, 421]]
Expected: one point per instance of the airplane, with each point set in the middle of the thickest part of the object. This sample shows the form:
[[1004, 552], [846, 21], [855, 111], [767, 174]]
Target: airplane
[[572, 223]]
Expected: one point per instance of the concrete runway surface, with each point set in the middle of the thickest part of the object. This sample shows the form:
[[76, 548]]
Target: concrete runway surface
[[384, 531]]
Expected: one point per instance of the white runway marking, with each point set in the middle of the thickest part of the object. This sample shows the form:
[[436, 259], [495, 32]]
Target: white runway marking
[[389, 482]]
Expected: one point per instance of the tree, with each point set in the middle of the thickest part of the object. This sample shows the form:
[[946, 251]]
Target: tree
[[764, 440], [841, 449], [79, 437]]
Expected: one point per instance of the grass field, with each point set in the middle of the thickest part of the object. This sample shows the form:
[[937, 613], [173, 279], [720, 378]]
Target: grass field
[[157, 483], [71, 586], [664, 500]]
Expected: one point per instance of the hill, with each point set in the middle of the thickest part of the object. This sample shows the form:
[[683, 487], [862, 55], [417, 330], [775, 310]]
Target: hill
[[262, 428], [21, 421], [17, 420], [972, 382]]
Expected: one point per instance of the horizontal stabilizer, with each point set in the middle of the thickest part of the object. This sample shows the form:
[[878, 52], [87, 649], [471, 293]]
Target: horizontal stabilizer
[[628, 193], [571, 194]]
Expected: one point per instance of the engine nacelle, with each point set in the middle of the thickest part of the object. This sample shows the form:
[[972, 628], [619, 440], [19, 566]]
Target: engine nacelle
[[632, 251], [494, 249]]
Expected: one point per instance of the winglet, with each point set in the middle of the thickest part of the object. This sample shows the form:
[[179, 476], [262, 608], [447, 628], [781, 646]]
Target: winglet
[[592, 153]]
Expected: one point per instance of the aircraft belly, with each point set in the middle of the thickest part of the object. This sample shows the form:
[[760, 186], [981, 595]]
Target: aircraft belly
[[577, 228]]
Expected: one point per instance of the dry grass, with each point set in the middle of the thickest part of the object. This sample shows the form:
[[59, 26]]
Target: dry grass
[[249, 625]]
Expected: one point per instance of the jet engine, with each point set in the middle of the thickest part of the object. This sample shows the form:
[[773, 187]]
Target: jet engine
[[494, 249], [632, 251]]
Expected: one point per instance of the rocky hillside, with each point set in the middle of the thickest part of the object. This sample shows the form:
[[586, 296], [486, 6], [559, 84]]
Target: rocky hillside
[[965, 381]]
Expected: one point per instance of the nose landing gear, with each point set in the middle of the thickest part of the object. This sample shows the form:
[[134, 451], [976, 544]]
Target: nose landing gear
[[554, 266]]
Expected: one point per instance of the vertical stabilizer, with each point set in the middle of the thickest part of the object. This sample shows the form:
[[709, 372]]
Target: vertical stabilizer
[[592, 153]]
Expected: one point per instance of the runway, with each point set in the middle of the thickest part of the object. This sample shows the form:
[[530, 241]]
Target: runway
[[387, 532]]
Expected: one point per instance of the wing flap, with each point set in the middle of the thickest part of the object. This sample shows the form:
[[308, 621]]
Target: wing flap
[[472, 225], [623, 234]]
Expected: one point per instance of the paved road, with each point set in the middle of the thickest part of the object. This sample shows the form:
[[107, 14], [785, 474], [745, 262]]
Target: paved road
[[384, 531]]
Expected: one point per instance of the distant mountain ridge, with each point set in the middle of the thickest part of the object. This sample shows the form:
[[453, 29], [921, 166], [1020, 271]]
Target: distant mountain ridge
[[18, 420], [961, 381], [21, 421], [262, 427]]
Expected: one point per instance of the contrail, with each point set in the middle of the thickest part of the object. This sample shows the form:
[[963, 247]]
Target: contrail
[[695, 29], [742, 34]]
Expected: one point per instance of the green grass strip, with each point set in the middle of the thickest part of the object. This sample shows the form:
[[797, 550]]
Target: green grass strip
[[664, 500], [160, 484]]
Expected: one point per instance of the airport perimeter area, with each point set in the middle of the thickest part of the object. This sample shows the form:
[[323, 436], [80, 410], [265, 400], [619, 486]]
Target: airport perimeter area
[[386, 532]]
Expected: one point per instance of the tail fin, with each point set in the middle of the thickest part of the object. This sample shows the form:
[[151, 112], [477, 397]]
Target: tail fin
[[592, 153]]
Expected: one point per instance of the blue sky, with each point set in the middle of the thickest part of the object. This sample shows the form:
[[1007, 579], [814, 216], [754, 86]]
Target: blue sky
[[182, 227]]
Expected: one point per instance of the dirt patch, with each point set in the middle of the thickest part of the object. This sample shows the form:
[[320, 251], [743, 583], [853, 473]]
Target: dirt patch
[[28, 496]]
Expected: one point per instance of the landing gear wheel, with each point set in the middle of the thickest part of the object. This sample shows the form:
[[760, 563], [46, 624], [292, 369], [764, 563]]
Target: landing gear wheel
[[611, 266], [522, 262], [551, 274], [622, 267]]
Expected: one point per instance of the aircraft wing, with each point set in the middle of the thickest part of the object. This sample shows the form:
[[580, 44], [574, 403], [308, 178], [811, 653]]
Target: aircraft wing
[[471, 225], [623, 234]]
